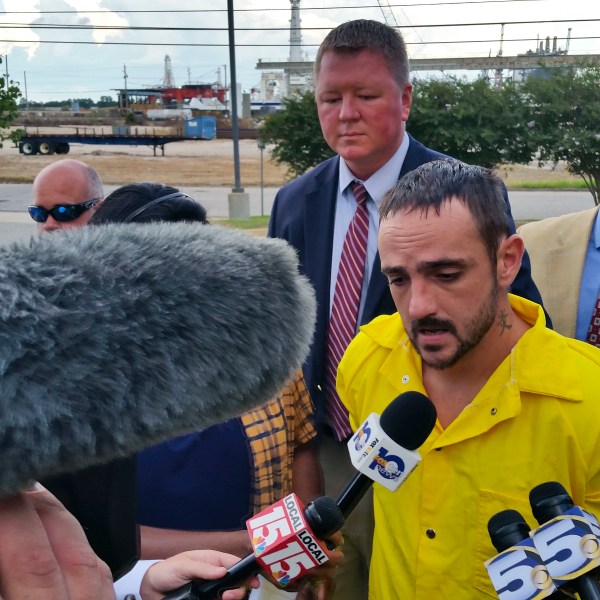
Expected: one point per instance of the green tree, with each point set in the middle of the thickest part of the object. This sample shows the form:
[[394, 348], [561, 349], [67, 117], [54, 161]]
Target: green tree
[[82, 102], [296, 135], [106, 101], [64, 104], [9, 106], [472, 120], [565, 107]]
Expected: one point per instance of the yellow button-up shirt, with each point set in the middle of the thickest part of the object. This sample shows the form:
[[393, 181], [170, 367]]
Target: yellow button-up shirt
[[537, 419]]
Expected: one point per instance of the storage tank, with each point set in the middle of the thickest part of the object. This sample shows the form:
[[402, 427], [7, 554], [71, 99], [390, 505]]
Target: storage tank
[[155, 114]]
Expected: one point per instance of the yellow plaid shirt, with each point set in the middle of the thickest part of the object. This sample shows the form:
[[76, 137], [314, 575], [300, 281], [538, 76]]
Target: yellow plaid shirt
[[274, 431]]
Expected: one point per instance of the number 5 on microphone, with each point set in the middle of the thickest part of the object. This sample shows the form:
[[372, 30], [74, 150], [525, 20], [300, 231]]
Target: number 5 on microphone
[[568, 545], [519, 574]]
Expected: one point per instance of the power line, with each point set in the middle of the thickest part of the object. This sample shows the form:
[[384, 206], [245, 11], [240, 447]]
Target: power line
[[270, 8], [282, 45], [263, 29]]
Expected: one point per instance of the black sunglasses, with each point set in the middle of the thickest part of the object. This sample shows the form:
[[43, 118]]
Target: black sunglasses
[[61, 212]]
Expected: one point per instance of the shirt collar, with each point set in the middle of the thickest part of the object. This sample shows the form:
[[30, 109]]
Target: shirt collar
[[383, 179], [538, 363]]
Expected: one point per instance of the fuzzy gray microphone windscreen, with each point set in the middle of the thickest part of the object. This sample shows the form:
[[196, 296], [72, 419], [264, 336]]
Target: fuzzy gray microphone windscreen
[[116, 337]]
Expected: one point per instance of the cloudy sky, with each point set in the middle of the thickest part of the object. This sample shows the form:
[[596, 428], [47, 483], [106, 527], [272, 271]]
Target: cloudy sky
[[58, 49]]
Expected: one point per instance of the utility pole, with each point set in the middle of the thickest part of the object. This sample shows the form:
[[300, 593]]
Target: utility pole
[[225, 86], [25, 84], [126, 94], [498, 73]]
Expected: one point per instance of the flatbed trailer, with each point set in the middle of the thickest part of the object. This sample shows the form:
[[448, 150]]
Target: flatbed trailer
[[31, 143], [56, 143]]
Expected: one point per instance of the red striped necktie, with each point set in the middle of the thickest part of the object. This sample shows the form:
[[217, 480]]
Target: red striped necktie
[[593, 334], [344, 310]]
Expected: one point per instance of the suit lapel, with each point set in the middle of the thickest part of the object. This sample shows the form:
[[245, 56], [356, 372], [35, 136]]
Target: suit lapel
[[378, 288], [318, 233]]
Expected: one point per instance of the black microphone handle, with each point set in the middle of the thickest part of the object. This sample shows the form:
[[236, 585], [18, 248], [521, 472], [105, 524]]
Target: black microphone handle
[[211, 589], [586, 587], [548, 501], [352, 493], [323, 517]]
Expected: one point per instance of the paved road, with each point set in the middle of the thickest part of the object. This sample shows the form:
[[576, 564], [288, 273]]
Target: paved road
[[15, 224]]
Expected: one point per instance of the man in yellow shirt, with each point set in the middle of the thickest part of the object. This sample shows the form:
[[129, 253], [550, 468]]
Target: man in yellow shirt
[[517, 403]]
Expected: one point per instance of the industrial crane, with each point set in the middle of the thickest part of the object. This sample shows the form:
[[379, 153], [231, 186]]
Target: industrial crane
[[388, 13]]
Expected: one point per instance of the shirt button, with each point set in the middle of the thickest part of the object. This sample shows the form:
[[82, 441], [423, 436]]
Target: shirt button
[[430, 533], [493, 411], [405, 378], [319, 387]]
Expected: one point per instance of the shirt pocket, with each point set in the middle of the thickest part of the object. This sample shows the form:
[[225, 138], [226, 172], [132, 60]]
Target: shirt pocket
[[489, 504]]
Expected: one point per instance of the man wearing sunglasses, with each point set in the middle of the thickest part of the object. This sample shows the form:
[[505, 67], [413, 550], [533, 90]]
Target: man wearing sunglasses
[[66, 194]]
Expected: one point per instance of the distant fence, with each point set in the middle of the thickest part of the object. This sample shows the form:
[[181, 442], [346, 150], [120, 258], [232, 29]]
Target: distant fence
[[244, 134]]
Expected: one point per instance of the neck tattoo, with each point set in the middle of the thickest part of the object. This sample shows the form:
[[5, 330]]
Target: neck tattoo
[[503, 322]]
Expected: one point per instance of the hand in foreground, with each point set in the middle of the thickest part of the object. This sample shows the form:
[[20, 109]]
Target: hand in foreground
[[44, 552], [178, 570]]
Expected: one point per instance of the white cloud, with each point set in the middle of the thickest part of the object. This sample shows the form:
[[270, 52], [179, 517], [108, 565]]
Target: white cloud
[[27, 38], [104, 18]]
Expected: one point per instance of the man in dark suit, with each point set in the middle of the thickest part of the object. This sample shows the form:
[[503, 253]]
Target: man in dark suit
[[363, 94]]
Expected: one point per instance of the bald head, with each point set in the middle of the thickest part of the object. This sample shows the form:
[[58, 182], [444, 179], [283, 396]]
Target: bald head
[[66, 181]]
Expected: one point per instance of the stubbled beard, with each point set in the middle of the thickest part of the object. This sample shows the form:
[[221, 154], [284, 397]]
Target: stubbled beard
[[476, 329]]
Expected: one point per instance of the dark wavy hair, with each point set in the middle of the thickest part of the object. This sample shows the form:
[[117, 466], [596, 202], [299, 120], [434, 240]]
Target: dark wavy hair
[[148, 202], [433, 184]]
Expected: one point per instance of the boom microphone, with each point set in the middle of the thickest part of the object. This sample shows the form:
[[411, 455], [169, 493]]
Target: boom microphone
[[114, 338], [383, 449]]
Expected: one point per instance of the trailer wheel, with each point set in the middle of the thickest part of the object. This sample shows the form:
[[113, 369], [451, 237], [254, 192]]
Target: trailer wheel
[[46, 148], [62, 148], [29, 148]]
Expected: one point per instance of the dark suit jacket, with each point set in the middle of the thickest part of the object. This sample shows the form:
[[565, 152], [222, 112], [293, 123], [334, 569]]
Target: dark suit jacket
[[103, 499], [303, 214]]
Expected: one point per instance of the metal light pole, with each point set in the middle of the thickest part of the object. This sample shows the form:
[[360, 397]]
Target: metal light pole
[[239, 201], [26, 97], [261, 147], [225, 85]]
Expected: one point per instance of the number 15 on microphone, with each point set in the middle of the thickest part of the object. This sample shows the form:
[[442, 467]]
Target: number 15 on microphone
[[284, 544]]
